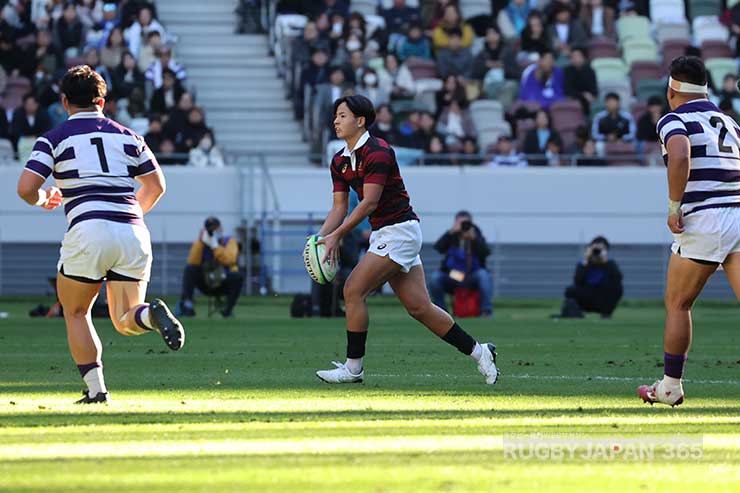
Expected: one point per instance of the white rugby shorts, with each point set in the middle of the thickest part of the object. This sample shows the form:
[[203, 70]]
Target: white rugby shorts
[[401, 242], [710, 235], [96, 249]]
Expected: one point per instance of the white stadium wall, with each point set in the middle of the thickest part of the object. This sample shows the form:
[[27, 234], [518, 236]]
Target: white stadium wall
[[512, 206]]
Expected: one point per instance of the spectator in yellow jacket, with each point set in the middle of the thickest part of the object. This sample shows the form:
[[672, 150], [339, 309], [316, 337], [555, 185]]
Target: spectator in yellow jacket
[[452, 20], [212, 268]]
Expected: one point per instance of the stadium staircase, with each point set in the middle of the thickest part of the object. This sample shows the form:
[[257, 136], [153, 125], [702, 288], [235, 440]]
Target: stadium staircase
[[235, 81]]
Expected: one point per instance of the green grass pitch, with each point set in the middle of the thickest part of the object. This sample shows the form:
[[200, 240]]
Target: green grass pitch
[[239, 408]]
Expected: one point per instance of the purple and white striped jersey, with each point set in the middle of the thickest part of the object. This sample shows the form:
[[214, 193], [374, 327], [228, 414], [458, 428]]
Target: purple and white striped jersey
[[94, 161], [714, 178]]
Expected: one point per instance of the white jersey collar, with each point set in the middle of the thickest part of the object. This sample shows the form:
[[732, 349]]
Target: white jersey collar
[[351, 154], [86, 114]]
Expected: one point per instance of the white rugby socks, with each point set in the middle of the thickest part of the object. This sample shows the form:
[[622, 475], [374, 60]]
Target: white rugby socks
[[95, 381], [477, 352]]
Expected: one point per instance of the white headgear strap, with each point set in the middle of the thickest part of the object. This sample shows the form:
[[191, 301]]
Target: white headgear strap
[[687, 87]]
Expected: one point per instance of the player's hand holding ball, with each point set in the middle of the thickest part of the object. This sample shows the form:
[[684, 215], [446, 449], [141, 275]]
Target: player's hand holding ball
[[316, 257], [53, 198]]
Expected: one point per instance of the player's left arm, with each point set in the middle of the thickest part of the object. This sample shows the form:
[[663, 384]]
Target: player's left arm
[[678, 148]]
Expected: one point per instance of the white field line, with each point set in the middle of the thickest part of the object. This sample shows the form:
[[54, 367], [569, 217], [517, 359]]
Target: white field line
[[527, 376]]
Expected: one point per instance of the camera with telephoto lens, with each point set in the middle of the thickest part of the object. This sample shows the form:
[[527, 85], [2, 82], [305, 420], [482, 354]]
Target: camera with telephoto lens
[[466, 225], [596, 256]]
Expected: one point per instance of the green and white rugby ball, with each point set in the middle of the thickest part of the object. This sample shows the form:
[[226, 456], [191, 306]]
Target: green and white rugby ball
[[313, 253]]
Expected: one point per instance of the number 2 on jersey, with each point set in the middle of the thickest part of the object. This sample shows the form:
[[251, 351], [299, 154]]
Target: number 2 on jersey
[[717, 121], [98, 142]]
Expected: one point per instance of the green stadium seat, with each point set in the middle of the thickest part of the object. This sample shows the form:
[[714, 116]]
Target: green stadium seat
[[699, 8], [719, 67], [637, 51], [650, 87], [633, 27], [610, 69]]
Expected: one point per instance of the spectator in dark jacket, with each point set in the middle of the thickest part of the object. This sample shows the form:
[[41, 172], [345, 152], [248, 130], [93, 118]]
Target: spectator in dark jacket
[[490, 56], [597, 282], [646, 125], [536, 139], [565, 32], [455, 59], [30, 120], [166, 97], [613, 123], [127, 77], [580, 80], [464, 265], [400, 17], [415, 45], [69, 32]]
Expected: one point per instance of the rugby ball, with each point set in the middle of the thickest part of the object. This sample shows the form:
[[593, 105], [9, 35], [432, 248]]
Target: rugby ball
[[313, 253]]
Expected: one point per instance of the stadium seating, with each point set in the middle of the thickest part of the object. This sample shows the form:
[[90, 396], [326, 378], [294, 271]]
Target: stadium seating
[[634, 50], [708, 28], [608, 69], [671, 31], [671, 49], [621, 87], [633, 27], [710, 8], [602, 48], [719, 67], [472, 8], [490, 133], [645, 70], [667, 12], [621, 153], [646, 88], [715, 49]]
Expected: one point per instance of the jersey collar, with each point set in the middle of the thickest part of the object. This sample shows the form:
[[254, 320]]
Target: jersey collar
[[351, 154], [86, 114]]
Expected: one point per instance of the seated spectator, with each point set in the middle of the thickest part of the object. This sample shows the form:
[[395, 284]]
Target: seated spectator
[[454, 124], [506, 155], [154, 73], [398, 20], [154, 135], [513, 18], [554, 151], [69, 32], [424, 133], [178, 117], [597, 283], [371, 89], [383, 128], [613, 123], [726, 107], [312, 74], [30, 120], [140, 29], [127, 77], [470, 153], [302, 47], [148, 51], [325, 96], [112, 51], [45, 55], [415, 44], [206, 154], [534, 41], [646, 125], [580, 80], [166, 97], [490, 56], [729, 90], [92, 59], [195, 129], [588, 156], [565, 31], [346, 46], [452, 90], [455, 59], [212, 268], [436, 153], [133, 113], [543, 82], [408, 127], [167, 154], [4, 124], [452, 20], [107, 24], [598, 19], [536, 139], [464, 265], [396, 79]]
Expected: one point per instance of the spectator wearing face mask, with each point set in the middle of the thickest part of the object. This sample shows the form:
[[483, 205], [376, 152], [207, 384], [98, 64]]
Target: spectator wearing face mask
[[370, 88], [383, 128], [206, 154]]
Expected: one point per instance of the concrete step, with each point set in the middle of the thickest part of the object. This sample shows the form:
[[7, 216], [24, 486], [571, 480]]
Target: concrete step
[[268, 117], [212, 85], [251, 104], [243, 73], [226, 49], [247, 124], [219, 60], [194, 7], [186, 29], [205, 17]]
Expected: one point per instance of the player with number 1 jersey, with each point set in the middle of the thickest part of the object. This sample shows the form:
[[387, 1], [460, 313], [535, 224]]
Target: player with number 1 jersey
[[95, 163]]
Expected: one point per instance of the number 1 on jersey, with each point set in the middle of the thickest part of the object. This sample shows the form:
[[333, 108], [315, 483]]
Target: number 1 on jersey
[[98, 142]]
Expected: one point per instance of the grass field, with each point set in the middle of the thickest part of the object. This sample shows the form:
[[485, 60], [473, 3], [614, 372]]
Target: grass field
[[239, 408]]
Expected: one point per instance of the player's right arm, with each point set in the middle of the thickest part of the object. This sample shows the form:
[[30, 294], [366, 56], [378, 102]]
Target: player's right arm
[[39, 167], [152, 188], [678, 148]]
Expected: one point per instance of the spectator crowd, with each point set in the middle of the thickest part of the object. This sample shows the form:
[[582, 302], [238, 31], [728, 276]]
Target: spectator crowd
[[126, 44], [528, 82]]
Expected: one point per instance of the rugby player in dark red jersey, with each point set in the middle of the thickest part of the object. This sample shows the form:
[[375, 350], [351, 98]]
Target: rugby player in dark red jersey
[[368, 165]]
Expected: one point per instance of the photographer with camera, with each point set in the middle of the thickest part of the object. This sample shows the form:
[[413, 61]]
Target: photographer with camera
[[464, 265], [597, 283], [212, 268]]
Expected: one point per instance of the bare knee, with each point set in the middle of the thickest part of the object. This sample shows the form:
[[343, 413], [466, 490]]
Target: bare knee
[[678, 302], [353, 293], [419, 311]]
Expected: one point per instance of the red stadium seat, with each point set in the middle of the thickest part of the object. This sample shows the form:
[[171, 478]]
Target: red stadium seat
[[715, 49], [566, 116], [421, 68], [622, 153], [671, 49], [603, 48], [643, 69]]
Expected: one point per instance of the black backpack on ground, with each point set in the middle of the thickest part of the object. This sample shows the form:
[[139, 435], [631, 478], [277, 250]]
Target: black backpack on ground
[[301, 306]]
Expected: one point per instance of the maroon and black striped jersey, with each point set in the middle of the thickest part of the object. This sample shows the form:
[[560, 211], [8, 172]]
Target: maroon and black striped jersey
[[375, 163]]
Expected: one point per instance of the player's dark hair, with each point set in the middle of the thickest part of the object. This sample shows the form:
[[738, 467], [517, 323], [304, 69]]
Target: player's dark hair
[[359, 106], [689, 69], [83, 86]]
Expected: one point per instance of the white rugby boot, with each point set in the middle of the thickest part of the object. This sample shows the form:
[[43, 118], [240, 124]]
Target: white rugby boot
[[487, 363], [661, 393], [340, 374]]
